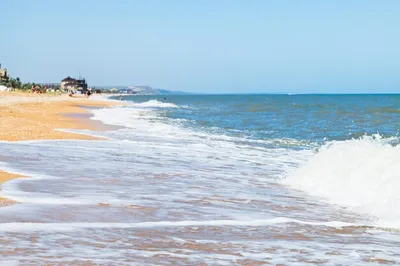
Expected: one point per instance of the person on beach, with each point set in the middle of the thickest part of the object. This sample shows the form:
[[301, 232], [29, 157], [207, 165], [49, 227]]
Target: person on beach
[[88, 93]]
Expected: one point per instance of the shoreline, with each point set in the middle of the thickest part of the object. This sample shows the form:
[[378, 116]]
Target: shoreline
[[26, 117]]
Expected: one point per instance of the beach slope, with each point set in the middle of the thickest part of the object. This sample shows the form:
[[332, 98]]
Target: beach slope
[[26, 116]]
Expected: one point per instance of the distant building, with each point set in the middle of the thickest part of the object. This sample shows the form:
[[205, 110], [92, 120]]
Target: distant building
[[3, 75], [68, 80], [74, 84]]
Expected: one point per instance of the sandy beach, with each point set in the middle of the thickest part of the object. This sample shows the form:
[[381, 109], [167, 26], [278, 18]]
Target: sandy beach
[[38, 116]]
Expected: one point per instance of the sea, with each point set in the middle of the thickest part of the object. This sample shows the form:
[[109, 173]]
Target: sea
[[212, 180]]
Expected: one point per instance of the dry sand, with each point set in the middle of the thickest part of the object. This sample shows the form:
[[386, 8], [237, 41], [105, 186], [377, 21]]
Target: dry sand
[[26, 116]]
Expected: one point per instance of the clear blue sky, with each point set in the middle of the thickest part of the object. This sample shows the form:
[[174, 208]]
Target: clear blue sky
[[206, 45]]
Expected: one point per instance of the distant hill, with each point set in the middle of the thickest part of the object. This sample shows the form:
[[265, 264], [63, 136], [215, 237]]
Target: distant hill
[[147, 90], [142, 90]]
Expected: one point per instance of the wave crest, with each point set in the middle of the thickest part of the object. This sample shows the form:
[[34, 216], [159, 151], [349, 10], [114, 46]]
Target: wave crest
[[155, 103], [362, 174]]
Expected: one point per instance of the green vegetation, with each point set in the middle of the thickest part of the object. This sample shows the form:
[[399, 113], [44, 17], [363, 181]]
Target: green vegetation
[[16, 85], [12, 83]]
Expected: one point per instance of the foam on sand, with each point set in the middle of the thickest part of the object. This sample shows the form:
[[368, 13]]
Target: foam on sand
[[246, 223]]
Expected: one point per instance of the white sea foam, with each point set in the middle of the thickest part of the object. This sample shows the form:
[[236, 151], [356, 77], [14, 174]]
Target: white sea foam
[[362, 174], [144, 125], [147, 122]]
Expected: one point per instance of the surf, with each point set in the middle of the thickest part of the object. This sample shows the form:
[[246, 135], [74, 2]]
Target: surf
[[361, 174]]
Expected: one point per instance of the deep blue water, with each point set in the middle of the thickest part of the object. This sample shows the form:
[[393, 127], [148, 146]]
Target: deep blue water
[[311, 118]]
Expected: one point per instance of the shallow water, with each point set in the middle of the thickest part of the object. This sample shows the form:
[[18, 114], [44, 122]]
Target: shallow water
[[170, 188]]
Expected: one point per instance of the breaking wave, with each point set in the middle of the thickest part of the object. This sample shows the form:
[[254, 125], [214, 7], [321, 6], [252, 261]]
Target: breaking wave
[[156, 104], [361, 174]]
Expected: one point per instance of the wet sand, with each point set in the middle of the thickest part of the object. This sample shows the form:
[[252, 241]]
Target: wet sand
[[26, 116], [4, 177]]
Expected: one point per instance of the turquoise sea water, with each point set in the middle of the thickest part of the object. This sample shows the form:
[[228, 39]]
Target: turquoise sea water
[[212, 179], [313, 118]]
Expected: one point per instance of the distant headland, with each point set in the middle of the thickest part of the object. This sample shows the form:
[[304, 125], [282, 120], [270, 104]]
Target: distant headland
[[140, 90], [77, 85]]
